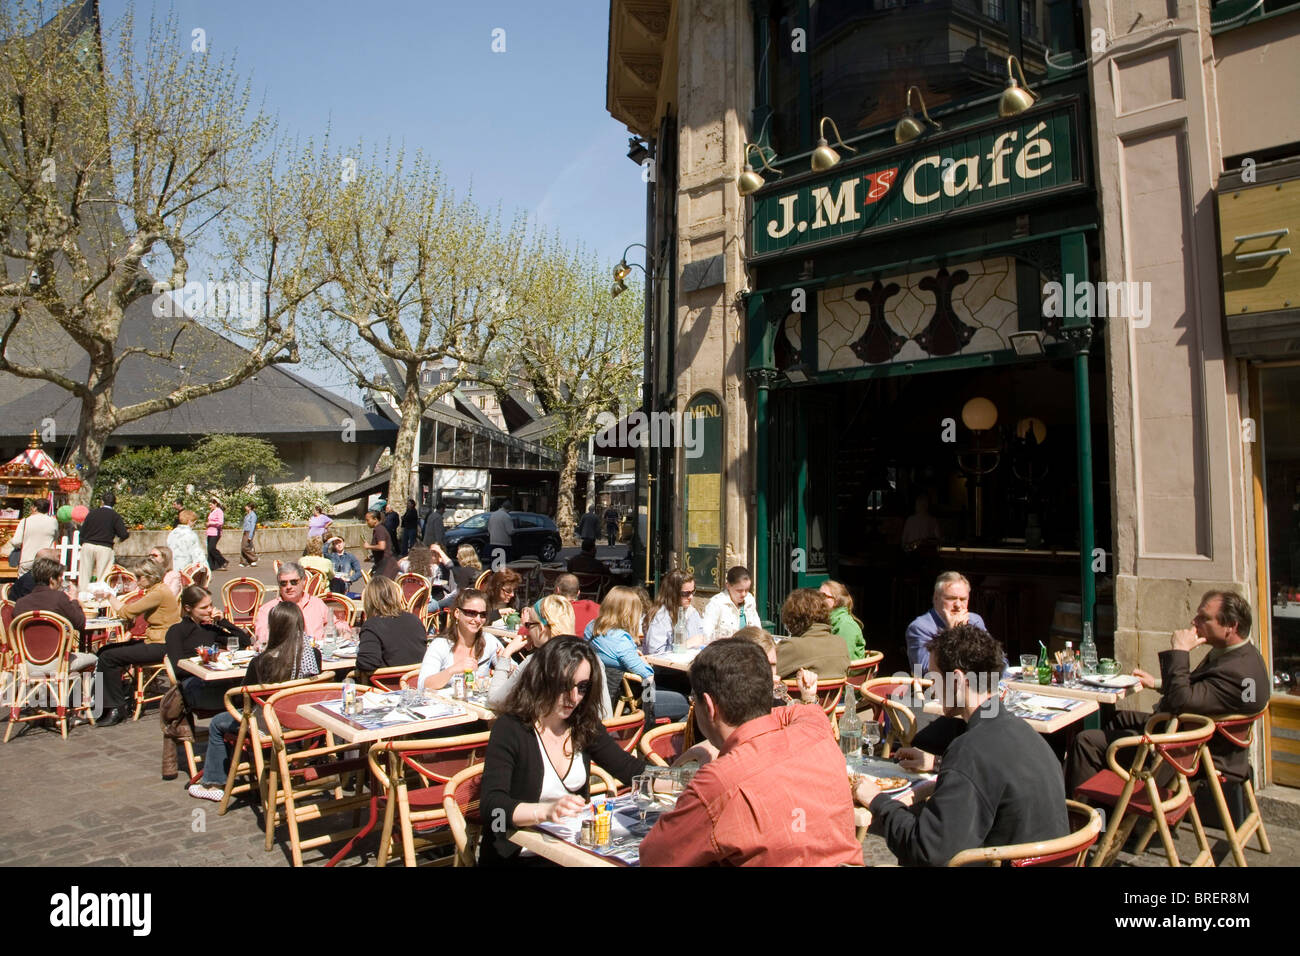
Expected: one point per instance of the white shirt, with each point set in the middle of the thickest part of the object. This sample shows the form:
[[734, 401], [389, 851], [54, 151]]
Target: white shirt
[[659, 635], [722, 617], [439, 655], [34, 532], [552, 786], [186, 549]]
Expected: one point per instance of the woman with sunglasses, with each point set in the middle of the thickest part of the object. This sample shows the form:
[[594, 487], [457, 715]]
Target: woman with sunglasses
[[675, 593], [552, 616], [539, 756], [463, 646]]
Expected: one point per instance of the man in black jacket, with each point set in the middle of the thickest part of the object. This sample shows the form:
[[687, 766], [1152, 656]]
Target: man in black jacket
[[102, 529], [1232, 679], [999, 783]]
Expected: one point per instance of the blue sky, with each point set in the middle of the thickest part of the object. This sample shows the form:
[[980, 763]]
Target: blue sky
[[526, 128]]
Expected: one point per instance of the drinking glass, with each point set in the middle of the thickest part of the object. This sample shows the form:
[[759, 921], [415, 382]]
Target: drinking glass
[[1028, 667], [643, 795], [232, 642], [870, 737]]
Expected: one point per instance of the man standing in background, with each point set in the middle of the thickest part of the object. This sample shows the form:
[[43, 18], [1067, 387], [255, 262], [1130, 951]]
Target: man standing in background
[[102, 528], [501, 531], [248, 556], [34, 533]]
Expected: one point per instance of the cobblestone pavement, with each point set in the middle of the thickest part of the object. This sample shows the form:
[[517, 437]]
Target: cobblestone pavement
[[97, 799]]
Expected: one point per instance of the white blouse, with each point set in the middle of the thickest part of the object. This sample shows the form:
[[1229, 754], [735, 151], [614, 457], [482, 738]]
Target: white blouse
[[439, 656], [659, 635], [552, 786]]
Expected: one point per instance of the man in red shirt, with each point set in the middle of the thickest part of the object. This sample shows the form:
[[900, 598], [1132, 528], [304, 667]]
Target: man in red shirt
[[778, 792], [584, 611]]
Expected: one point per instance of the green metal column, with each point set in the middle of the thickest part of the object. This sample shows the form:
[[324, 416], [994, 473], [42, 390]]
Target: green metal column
[[761, 373], [1078, 331]]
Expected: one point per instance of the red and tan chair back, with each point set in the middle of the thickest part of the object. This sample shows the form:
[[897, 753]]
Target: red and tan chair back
[[664, 744], [482, 579], [242, 597], [590, 586], [410, 582], [342, 607], [1069, 850], [434, 763], [316, 584], [1239, 731], [117, 576], [863, 669], [829, 692], [42, 638], [407, 681], [461, 804], [417, 602], [6, 614], [627, 729], [389, 678]]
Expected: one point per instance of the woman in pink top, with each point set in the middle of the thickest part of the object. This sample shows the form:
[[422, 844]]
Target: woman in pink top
[[216, 521]]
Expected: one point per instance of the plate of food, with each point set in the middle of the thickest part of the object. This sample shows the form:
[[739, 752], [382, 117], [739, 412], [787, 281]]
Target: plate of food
[[1114, 681], [891, 784]]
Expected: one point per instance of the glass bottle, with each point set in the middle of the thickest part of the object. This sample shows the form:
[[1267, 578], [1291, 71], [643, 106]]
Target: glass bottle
[[850, 726]]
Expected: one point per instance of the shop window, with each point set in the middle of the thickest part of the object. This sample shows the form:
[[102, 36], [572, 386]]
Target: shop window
[[862, 57], [1280, 396]]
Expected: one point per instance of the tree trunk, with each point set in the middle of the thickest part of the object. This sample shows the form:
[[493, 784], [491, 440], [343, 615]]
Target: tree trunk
[[568, 477], [94, 427], [399, 482]]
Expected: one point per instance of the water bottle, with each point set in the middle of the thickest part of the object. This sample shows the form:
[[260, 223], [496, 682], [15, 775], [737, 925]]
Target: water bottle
[[679, 633], [349, 695], [1088, 651], [331, 637], [850, 726]]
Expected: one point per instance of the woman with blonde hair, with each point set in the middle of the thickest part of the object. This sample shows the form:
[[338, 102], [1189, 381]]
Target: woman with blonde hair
[[156, 603], [843, 623], [611, 637], [550, 617], [463, 646], [463, 575], [391, 635], [313, 556]]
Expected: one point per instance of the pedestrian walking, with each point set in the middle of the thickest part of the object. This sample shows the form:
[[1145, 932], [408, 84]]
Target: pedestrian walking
[[589, 527], [392, 524], [501, 529], [434, 526], [410, 526], [611, 525], [216, 521], [247, 555], [318, 523]]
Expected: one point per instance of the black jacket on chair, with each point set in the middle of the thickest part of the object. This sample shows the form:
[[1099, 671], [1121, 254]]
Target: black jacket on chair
[[513, 772]]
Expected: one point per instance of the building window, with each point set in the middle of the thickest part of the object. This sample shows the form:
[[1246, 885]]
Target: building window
[[862, 57]]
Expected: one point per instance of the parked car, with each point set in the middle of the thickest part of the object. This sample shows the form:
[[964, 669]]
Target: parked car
[[535, 535]]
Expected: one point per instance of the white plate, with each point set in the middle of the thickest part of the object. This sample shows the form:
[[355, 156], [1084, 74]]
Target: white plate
[[1114, 681]]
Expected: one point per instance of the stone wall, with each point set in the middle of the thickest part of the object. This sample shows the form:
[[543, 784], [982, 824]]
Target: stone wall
[[276, 541]]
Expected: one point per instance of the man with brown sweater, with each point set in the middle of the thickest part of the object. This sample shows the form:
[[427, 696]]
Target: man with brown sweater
[[811, 643], [47, 595], [1232, 679]]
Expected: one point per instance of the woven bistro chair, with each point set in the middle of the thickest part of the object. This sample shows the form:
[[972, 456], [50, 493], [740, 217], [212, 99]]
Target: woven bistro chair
[[308, 780], [1238, 729], [627, 729], [829, 693], [664, 744], [386, 678], [884, 697], [242, 597], [250, 741], [482, 578], [591, 586], [461, 803], [151, 684], [43, 639], [192, 763], [418, 602], [863, 669], [408, 680], [1135, 793], [1069, 850], [317, 584], [429, 764], [410, 582], [117, 576], [342, 607]]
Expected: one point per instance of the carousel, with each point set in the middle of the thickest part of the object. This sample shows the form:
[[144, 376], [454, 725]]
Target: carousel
[[31, 475]]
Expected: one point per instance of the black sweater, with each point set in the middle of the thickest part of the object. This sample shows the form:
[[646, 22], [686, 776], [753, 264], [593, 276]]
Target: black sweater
[[389, 641], [513, 772], [999, 784], [185, 638], [103, 525]]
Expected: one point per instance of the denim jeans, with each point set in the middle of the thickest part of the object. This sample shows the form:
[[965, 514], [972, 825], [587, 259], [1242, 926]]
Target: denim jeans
[[218, 758]]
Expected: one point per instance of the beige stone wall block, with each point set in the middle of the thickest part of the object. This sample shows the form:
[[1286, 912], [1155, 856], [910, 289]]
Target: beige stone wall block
[[705, 211], [1147, 80], [1257, 73]]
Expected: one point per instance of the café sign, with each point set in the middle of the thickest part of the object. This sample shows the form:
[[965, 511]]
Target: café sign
[[1034, 155]]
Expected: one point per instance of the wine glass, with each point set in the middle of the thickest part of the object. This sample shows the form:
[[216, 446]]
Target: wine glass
[[870, 736], [232, 642], [643, 795]]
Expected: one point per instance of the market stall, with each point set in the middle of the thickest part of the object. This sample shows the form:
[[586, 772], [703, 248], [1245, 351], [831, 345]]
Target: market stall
[[31, 474]]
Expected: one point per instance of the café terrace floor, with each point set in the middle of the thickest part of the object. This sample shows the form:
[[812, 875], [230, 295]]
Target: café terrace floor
[[97, 799]]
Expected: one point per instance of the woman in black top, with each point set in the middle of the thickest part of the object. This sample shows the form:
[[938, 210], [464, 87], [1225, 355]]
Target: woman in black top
[[200, 627], [380, 548], [410, 525], [549, 718], [390, 636]]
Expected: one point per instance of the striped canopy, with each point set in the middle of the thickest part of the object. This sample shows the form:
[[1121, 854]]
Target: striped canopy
[[43, 463]]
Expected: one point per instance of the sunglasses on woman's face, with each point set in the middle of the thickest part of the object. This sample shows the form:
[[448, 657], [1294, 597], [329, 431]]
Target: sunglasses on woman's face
[[531, 624], [690, 593], [582, 687], [468, 613]]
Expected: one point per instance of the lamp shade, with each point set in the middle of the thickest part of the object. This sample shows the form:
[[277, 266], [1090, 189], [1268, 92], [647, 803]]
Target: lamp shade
[[1035, 425], [979, 414], [749, 182]]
